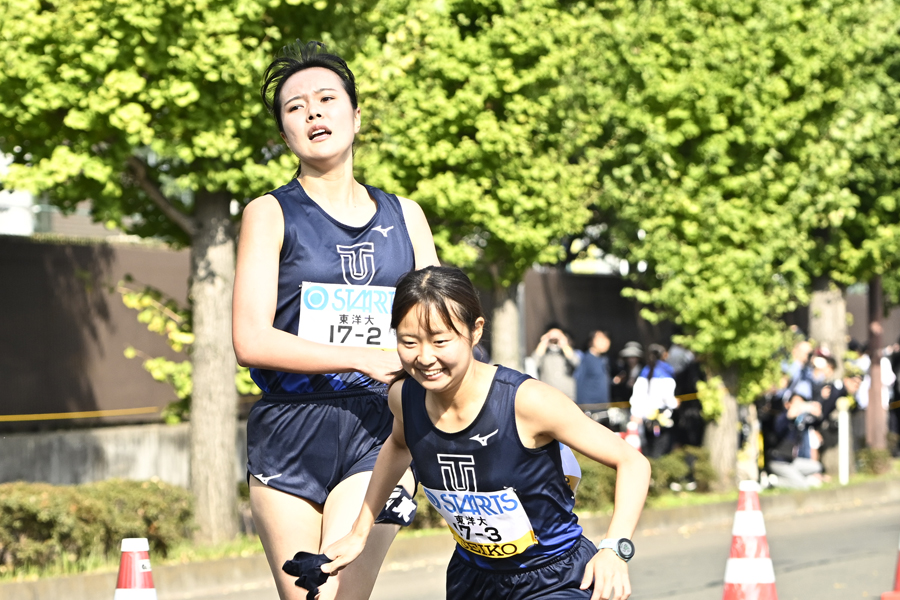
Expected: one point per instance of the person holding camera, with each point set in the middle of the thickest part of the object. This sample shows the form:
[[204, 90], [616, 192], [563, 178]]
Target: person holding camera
[[790, 457], [555, 360]]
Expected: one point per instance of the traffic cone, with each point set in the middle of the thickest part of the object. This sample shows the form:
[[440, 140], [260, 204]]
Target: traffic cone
[[749, 574], [895, 595], [135, 577], [631, 435]]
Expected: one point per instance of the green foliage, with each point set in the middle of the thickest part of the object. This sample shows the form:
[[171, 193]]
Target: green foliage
[[715, 121], [42, 524], [473, 110], [872, 461], [598, 482], [427, 516], [711, 394], [597, 489], [864, 241], [682, 465], [139, 104], [162, 315]]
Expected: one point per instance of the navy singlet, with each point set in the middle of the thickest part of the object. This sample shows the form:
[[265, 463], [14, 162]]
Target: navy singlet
[[317, 248], [508, 506]]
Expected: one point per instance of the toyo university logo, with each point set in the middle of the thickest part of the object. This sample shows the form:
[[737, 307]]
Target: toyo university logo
[[358, 263], [458, 472]]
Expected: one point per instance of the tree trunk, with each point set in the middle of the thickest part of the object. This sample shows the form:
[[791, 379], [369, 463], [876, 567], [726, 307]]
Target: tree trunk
[[876, 416], [748, 454], [214, 400], [828, 319], [722, 436], [505, 329]]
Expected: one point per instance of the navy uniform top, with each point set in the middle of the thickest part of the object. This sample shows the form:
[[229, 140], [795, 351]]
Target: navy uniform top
[[317, 248], [508, 506]]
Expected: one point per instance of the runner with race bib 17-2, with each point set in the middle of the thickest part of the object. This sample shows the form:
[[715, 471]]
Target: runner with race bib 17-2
[[317, 262], [486, 443]]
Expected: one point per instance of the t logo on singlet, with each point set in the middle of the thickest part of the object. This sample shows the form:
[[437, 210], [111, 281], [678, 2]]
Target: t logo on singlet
[[458, 472], [358, 263]]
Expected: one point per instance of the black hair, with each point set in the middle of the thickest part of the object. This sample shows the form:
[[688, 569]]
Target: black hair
[[444, 291], [591, 335], [297, 57], [654, 354]]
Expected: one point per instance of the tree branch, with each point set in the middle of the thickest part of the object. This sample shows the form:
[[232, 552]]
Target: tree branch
[[183, 221]]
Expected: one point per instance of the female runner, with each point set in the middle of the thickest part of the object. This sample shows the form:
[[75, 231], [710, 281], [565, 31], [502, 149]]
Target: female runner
[[336, 247], [484, 441]]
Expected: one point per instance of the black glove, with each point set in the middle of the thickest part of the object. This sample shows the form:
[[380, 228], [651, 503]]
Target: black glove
[[307, 568]]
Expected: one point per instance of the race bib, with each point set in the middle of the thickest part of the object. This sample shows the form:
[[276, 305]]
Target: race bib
[[347, 315], [490, 524]]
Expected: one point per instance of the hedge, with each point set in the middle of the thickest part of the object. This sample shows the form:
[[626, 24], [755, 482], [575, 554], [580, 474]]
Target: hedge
[[43, 524]]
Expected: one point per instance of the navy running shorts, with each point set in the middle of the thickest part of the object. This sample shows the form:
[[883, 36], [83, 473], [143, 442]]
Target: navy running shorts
[[306, 444], [557, 580]]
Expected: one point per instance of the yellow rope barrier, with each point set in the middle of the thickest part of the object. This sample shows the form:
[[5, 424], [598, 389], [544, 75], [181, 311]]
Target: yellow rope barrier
[[81, 415]]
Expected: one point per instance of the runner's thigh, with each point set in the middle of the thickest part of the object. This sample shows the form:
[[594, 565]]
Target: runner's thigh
[[286, 525], [355, 582]]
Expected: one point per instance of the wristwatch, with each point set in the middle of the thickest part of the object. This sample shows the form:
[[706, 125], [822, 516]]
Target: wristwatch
[[623, 547]]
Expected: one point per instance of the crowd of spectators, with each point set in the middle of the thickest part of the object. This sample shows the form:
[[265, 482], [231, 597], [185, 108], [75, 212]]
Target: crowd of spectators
[[798, 420], [655, 389]]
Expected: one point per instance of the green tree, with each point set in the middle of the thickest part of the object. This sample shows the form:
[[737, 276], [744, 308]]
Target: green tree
[[150, 109], [864, 244], [864, 240], [163, 315], [711, 177], [473, 110]]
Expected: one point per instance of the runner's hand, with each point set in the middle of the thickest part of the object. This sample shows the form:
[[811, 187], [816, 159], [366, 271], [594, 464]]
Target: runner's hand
[[609, 574], [380, 365], [343, 552]]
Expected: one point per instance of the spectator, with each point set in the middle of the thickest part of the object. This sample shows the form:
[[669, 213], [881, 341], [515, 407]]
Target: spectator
[[592, 378], [628, 368], [689, 423], [846, 387], [894, 412], [826, 391], [887, 380], [787, 459], [653, 402], [556, 361], [798, 368]]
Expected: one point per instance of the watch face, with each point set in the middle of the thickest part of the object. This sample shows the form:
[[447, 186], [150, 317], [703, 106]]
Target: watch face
[[626, 549]]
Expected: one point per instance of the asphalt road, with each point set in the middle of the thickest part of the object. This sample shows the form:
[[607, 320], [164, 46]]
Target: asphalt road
[[845, 554]]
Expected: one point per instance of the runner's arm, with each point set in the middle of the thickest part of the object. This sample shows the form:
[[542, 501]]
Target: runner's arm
[[419, 234], [544, 414], [257, 343], [393, 460]]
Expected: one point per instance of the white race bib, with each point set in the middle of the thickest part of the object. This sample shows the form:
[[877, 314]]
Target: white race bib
[[490, 524], [347, 315]]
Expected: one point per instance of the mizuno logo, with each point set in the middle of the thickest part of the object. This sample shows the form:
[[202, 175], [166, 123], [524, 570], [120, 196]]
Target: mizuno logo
[[482, 439], [265, 480], [382, 230]]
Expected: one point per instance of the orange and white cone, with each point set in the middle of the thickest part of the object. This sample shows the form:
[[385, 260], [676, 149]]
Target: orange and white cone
[[895, 595], [135, 577], [749, 574], [631, 435]]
